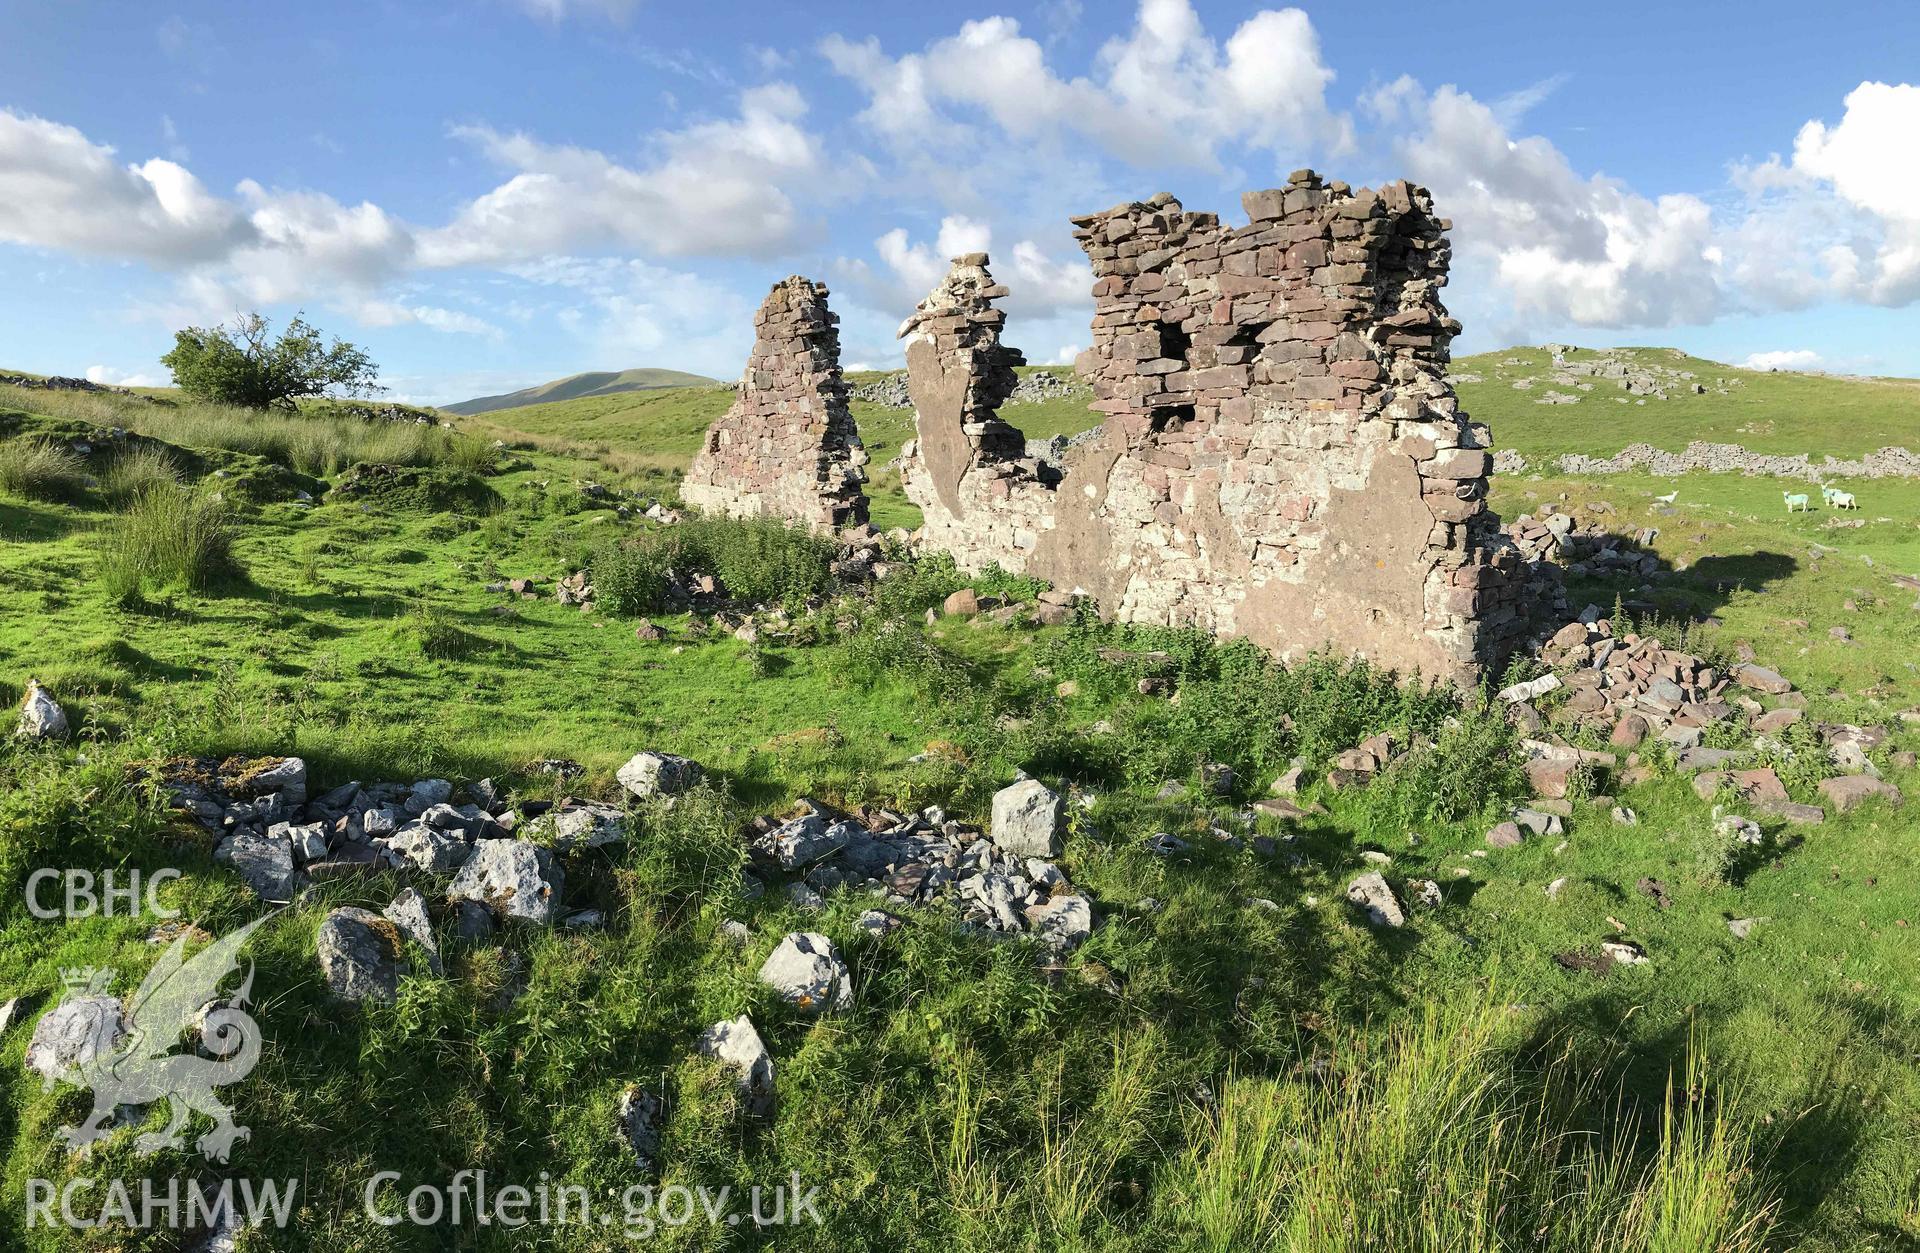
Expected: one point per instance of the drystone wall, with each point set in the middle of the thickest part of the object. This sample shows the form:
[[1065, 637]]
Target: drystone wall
[[787, 447], [1282, 457]]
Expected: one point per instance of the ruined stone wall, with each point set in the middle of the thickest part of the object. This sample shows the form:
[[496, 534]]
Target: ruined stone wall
[[1282, 457], [787, 447]]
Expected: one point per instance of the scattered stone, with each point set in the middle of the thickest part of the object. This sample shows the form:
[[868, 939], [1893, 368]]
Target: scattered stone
[[1760, 679], [641, 1115], [807, 971], [515, 879], [1505, 835], [1164, 844], [736, 1045], [1624, 952], [263, 860], [41, 717], [658, 774], [961, 604], [408, 912], [74, 1032], [1062, 923], [1556, 887], [1026, 820], [1742, 927], [1851, 791], [1371, 894], [1426, 893], [360, 956]]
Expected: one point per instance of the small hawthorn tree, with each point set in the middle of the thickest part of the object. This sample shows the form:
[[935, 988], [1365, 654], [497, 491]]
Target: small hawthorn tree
[[240, 364]]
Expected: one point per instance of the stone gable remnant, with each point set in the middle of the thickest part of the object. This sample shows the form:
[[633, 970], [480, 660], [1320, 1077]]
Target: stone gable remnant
[[1282, 456], [788, 447]]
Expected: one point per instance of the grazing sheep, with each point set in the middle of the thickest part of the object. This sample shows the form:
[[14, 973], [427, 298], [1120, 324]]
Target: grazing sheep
[[1669, 498], [1842, 500], [1796, 500]]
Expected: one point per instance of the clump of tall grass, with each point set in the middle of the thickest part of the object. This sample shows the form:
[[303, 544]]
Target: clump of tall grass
[[313, 441], [39, 469], [1439, 1139], [136, 468], [755, 559], [169, 535]]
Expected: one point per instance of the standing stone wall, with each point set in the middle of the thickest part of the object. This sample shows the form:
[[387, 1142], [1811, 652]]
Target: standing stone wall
[[787, 447], [1282, 457]]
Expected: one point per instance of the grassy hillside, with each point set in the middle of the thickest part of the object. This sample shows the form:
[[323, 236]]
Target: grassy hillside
[[1766, 412], [1233, 1059], [581, 386], [662, 431]]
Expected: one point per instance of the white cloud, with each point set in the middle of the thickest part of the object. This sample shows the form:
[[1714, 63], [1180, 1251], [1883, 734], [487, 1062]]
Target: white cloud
[[58, 189], [1565, 248], [1040, 286], [718, 187], [106, 376], [1853, 189], [559, 10], [1167, 93], [1784, 359], [639, 314]]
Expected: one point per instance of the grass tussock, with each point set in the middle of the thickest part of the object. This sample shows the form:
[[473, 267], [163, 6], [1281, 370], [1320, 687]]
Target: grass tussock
[[754, 559], [169, 535], [136, 469], [39, 469], [1440, 1138], [315, 441]]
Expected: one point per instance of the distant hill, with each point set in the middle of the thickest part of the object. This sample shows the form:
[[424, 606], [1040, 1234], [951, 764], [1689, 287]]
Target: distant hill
[[578, 386]]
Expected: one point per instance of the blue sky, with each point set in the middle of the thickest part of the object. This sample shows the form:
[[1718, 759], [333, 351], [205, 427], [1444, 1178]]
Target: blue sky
[[488, 195]]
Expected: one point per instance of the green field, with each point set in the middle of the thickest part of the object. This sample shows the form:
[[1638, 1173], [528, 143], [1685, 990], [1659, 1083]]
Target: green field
[[1243, 1064], [1767, 412]]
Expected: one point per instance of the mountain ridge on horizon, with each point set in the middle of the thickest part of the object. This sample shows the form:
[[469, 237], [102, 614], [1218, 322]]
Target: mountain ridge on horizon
[[576, 386]]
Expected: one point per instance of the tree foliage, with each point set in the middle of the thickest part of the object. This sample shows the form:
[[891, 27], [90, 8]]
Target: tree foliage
[[241, 364]]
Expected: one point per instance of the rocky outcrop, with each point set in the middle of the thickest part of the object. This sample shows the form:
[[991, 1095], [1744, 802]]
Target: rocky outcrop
[[788, 447]]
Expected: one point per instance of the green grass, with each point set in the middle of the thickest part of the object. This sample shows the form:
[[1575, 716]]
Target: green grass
[[660, 431], [1208, 1074], [38, 469], [169, 535], [1767, 412]]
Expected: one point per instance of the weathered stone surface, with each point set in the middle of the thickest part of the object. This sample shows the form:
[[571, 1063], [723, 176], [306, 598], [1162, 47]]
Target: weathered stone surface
[[1026, 819], [808, 973], [264, 860], [1505, 835], [736, 1045], [41, 717], [75, 1031], [408, 912], [360, 955], [1063, 922], [641, 1115], [1761, 679], [1370, 894], [515, 879], [1283, 458], [787, 448], [658, 774], [1849, 791]]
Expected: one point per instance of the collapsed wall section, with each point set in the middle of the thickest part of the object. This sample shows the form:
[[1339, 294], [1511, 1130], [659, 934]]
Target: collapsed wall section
[[787, 447], [1282, 457]]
